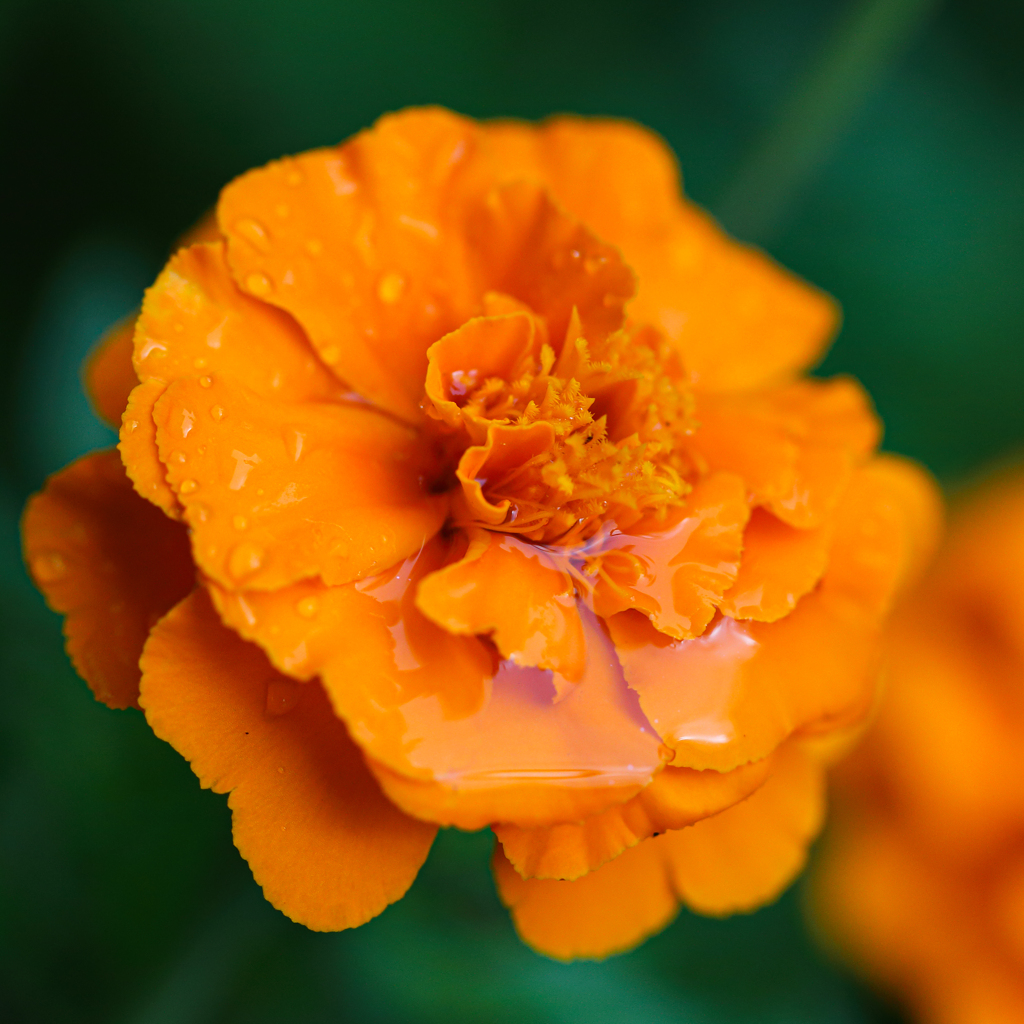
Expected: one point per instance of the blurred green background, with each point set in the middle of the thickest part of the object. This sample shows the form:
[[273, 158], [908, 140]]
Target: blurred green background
[[877, 147]]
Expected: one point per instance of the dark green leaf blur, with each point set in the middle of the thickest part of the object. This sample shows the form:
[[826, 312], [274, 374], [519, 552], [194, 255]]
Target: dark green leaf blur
[[875, 146]]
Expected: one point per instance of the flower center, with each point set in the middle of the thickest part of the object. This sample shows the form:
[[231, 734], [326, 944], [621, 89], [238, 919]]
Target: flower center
[[559, 443]]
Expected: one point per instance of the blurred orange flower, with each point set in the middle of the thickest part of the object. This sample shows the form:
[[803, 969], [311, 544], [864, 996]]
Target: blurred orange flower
[[922, 882], [475, 484]]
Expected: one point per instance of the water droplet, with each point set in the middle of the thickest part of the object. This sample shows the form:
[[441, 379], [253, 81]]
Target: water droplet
[[187, 486], [314, 246], [294, 177], [217, 412], [308, 607], [258, 284], [282, 696], [129, 427], [254, 233], [200, 513], [330, 355], [199, 362], [390, 288], [49, 567], [178, 457], [240, 522], [592, 264], [205, 381], [244, 560]]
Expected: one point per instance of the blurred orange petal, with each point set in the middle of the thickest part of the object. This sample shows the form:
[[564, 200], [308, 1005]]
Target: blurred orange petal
[[108, 372]]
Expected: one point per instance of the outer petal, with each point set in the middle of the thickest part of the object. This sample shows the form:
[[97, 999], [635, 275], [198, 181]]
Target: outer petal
[[364, 245], [735, 693], [195, 322], [608, 911], [111, 563], [452, 738], [275, 492], [139, 451], [795, 446], [780, 564], [677, 575], [739, 320], [108, 371], [677, 797], [517, 594], [745, 856], [733, 861], [325, 845]]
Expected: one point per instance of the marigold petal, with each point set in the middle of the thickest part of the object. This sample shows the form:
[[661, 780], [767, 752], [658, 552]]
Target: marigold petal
[[364, 245], [739, 319], [751, 684], [744, 857], [795, 446], [677, 575], [139, 451], [676, 797], [731, 861], [108, 372], [275, 492], [484, 347], [780, 564], [608, 911], [327, 847], [529, 248], [196, 322], [451, 738], [108, 561], [515, 593], [503, 451]]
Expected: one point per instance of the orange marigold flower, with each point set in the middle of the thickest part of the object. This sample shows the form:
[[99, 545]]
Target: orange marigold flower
[[471, 481], [922, 881]]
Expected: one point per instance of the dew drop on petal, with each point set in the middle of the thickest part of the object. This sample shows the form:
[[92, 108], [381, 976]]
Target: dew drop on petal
[[282, 696], [240, 522], [129, 427], [205, 381], [178, 457], [199, 363], [390, 288], [294, 177], [330, 355], [244, 560], [307, 607], [314, 246], [187, 486], [258, 284], [254, 233], [217, 412]]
